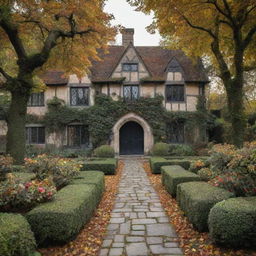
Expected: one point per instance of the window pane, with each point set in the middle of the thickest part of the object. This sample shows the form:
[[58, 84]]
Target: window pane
[[135, 92], [130, 67], [176, 133], [127, 92], [36, 99], [175, 92], [78, 135], [41, 135], [79, 96]]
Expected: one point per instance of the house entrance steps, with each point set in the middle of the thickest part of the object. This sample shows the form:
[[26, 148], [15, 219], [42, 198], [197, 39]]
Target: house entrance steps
[[138, 224]]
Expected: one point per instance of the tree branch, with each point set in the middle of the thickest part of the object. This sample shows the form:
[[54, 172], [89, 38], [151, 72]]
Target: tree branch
[[249, 37], [209, 31], [12, 33], [5, 75]]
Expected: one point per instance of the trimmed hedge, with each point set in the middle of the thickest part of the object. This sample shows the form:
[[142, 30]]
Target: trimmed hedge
[[91, 177], [104, 151], [16, 237], [61, 220], [107, 166], [173, 175], [232, 222], [196, 200], [157, 162]]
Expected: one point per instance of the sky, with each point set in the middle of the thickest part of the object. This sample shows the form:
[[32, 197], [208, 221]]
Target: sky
[[126, 16]]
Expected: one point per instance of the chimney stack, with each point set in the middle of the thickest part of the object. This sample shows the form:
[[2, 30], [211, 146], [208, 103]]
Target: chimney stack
[[127, 36]]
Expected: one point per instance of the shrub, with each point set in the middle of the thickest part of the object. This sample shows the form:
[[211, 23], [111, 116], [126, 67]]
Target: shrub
[[174, 175], [60, 170], [239, 184], [18, 196], [196, 200], [205, 174], [181, 150], [61, 220], [232, 222], [160, 149], [16, 237], [107, 166], [5, 166], [157, 162], [104, 151], [195, 166]]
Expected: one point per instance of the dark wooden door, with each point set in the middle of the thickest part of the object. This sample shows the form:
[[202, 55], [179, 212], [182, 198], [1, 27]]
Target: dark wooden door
[[131, 139]]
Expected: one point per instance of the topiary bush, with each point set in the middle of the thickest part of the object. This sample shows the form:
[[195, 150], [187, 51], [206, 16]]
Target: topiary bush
[[232, 222], [107, 166], [181, 150], [196, 200], [160, 149], [61, 220], [174, 175], [104, 151], [16, 237], [157, 162]]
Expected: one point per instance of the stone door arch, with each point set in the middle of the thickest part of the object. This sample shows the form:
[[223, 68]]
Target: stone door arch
[[148, 135]]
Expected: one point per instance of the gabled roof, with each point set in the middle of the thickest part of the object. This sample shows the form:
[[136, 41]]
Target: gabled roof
[[156, 60]]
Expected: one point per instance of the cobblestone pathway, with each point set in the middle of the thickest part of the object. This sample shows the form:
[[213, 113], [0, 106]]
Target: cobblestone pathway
[[138, 224]]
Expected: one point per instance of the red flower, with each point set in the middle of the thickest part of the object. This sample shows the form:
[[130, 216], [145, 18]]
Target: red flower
[[41, 190]]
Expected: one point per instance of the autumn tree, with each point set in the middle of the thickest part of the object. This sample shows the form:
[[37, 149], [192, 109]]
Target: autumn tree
[[222, 30], [36, 35]]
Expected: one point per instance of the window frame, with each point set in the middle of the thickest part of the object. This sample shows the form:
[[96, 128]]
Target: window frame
[[38, 104], [79, 87], [167, 86], [178, 128], [131, 86], [29, 135], [130, 65], [71, 145]]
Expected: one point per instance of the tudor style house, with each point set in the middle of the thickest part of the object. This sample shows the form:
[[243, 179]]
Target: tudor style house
[[129, 72]]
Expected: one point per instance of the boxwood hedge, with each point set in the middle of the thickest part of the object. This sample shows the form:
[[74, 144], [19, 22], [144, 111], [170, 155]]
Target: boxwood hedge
[[16, 237], [108, 165], [196, 200], [174, 175], [61, 220], [232, 222], [157, 162]]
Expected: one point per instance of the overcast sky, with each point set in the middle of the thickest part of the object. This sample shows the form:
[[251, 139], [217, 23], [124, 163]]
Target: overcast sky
[[126, 16]]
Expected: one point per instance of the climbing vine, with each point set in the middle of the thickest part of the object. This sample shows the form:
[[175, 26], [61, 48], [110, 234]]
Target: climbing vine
[[101, 117]]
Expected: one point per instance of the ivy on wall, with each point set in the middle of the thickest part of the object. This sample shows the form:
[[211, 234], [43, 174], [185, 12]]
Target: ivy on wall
[[101, 117]]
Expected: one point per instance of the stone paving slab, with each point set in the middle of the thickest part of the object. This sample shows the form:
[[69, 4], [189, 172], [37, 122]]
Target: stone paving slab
[[138, 224]]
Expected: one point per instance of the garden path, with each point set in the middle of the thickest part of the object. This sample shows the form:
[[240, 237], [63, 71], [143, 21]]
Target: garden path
[[138, 224]]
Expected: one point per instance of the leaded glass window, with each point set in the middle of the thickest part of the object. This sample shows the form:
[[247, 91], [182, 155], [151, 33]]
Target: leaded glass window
[[175, 92], [78, 136], [35, 135], [131, 92], [130, 67], [79, 96], [175, 132], [36, 99]]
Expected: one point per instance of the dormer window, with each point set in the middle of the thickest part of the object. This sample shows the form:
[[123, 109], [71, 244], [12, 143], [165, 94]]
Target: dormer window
[[175, 93], [130, 67]]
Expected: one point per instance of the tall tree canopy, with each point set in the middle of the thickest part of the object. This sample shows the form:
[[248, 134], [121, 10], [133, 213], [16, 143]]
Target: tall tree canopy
[[223, 30], [36, 35]]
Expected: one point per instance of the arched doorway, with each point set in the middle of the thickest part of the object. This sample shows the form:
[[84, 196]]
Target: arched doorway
[[132, 117], [131, 139]]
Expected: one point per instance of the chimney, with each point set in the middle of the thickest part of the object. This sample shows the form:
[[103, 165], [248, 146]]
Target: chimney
[[127, 36]]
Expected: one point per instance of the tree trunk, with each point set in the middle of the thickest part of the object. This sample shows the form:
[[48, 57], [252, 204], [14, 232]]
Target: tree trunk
[[236, 112], [16, 121]]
